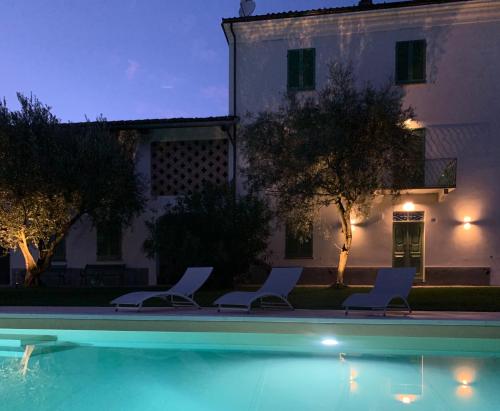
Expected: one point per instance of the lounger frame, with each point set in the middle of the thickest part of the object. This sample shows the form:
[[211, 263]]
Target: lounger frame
[[180, 295], [391, 284], [278, 286]]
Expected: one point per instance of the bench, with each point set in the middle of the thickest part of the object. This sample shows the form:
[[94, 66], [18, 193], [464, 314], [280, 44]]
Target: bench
[[99, 275]]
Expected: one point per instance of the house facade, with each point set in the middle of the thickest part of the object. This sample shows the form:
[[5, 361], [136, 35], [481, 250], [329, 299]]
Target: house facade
[[444, 53]]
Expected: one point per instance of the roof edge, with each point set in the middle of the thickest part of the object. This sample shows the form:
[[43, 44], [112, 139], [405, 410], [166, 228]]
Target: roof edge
[[169, 122], [339, 10]]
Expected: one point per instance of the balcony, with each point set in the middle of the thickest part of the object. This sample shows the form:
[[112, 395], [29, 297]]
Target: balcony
[[437, 175]]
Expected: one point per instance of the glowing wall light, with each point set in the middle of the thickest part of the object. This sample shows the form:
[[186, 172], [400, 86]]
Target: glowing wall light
[[413, 124], [467, 223], [353, 224], [409, 206]]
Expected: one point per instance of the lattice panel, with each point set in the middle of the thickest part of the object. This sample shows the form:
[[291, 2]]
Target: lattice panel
[[183, 167], [399, 216]]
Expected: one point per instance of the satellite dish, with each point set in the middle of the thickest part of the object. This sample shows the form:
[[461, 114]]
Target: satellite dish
[[247, 7]]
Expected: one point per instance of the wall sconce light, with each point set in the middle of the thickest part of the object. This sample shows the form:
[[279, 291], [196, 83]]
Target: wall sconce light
[[353, 224], [409, 206], [467, 223]]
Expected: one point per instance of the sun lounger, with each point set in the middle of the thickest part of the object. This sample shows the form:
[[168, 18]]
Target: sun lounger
[[391, 283], [278, 285], [180, 295]]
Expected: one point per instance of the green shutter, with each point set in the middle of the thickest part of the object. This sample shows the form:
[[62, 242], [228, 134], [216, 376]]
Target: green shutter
[[402, 63], [418, 60], [294, 69], [308, 68], [410, 61]]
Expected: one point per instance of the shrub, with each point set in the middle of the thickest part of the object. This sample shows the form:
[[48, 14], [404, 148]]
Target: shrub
[[213, 227]]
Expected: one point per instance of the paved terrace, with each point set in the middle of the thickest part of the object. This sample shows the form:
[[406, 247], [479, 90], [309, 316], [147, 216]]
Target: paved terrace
[[259, 315]]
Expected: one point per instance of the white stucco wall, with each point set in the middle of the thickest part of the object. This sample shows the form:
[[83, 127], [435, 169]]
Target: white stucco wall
[[458, 105]]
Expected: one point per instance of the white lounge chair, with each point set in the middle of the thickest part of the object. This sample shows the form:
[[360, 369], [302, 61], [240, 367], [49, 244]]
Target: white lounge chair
[[391, 283], [278, 285], [180, 295]]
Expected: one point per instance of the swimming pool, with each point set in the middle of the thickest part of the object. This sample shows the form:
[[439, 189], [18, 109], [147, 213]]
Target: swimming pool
[[234, 365]]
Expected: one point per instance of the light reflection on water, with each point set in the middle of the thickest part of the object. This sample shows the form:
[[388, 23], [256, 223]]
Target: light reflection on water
[[89, 378]]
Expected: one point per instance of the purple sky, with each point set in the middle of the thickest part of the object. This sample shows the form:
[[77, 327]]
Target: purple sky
[[125, 59]]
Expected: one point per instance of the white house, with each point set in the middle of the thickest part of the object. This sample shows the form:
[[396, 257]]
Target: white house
[[444, 53]]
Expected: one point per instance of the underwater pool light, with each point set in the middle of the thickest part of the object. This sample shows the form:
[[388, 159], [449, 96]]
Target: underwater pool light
[[329, 342]]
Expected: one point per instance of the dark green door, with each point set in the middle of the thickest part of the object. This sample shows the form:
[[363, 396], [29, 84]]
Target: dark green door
[[408, 246]]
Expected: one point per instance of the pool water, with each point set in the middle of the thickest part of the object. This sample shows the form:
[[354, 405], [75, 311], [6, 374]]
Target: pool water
[[81, 376]]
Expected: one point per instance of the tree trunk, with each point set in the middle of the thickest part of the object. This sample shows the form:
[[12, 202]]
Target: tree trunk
[[345, 220], [34, 269], [32, 277]]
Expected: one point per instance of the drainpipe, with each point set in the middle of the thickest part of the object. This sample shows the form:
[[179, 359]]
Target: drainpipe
[[235, 130]]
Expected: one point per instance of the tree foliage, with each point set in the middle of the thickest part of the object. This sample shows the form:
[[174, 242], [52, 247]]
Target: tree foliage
[[53, 174], [334, 149], [213, 227]]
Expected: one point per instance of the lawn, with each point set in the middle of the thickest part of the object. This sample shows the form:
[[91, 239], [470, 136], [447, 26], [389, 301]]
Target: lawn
[[421, 298]]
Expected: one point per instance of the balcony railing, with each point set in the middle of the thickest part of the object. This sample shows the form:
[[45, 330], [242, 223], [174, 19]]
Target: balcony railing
[[440, 173], [437, 173]]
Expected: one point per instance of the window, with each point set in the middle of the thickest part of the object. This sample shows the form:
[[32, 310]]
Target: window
[[301, 69], [109, 242], [298, 247], [60, 251], [411, 61]]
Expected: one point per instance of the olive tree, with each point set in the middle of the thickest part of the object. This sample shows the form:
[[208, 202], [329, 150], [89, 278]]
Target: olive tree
[[53, 174], [336, 148]]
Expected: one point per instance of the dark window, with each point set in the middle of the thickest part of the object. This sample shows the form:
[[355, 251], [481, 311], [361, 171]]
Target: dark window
[[411, 61], [301, 69], [60, 251], [109, 242], [299, 246]]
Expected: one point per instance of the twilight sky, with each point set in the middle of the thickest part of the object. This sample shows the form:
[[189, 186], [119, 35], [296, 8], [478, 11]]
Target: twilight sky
[[125, 59]]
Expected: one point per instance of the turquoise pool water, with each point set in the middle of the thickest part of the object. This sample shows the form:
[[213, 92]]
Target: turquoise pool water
[[117, 371]]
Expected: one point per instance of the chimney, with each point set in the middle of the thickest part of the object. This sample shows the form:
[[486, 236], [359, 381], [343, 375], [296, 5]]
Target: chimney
[[365, 3]]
